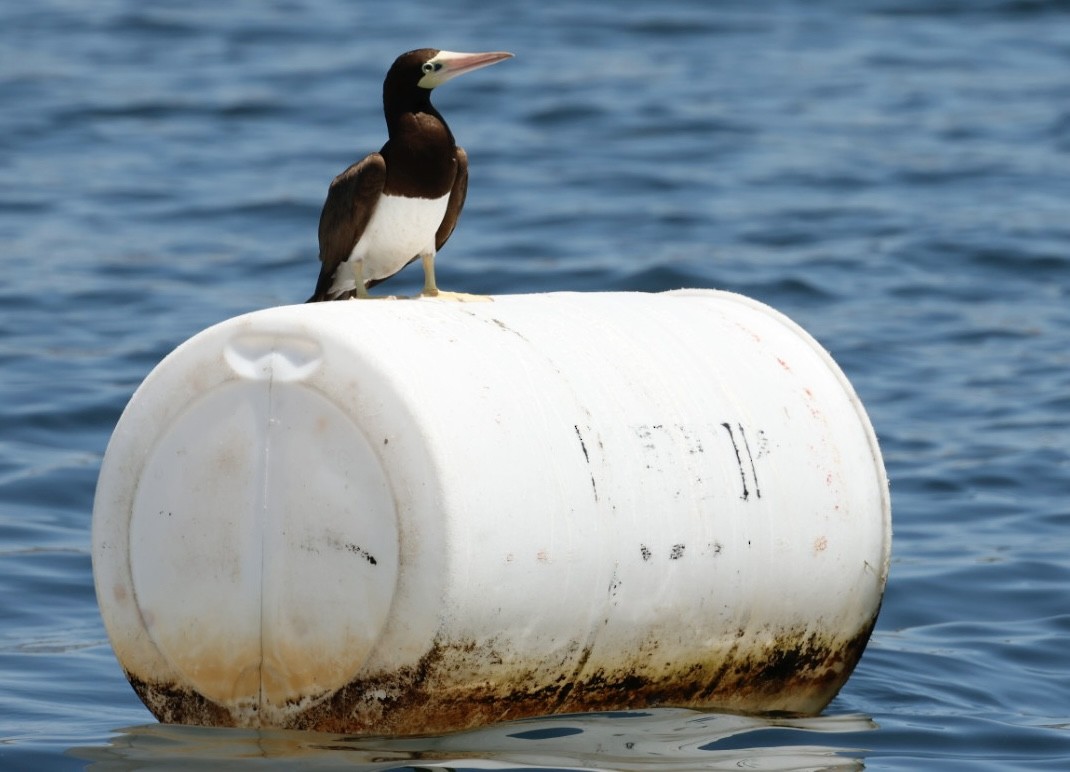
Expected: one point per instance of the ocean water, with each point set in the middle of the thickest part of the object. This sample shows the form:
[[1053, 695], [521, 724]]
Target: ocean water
[[893, 174]]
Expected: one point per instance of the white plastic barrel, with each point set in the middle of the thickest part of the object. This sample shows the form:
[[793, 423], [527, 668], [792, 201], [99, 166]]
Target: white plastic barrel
[[402, 516]]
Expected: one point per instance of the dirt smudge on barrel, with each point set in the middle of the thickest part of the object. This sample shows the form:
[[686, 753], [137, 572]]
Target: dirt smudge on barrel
[[465, 684], [790, 672]]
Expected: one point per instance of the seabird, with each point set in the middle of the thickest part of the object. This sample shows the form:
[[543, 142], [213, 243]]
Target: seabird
[[403, 202]]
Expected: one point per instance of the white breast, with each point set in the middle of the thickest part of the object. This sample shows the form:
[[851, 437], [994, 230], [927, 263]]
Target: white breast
[[400, 229]]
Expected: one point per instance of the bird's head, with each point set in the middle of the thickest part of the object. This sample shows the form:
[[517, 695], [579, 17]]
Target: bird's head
[[427, 68]]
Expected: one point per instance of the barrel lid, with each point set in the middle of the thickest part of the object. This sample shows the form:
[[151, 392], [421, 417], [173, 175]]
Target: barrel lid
[[261, 526]]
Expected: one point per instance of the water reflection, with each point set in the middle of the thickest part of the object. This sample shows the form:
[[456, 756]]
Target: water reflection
[[633, 740]]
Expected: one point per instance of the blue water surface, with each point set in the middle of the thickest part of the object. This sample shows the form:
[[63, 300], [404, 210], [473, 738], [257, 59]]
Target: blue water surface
[[893, 174]]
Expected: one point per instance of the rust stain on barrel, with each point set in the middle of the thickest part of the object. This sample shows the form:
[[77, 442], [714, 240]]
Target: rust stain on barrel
[[462, 685]]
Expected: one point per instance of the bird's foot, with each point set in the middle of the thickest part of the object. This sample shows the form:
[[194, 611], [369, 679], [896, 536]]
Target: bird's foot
[[456, 297]]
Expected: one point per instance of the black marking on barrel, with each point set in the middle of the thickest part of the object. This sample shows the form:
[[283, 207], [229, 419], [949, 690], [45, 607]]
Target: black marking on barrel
[[763, 444], [614, 583], [644, 433], [753, 471], [645, 551], [739, 461], [337, 542], [741, 447], [693, 439], [583, 444], [502, 325], [587, 458], [362, 552], [677, 552]]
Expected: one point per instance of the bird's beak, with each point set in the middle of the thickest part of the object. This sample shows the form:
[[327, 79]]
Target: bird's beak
[[454, 64]]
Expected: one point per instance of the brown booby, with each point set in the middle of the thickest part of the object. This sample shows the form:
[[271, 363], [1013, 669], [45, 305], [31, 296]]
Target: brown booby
[[403, 202]]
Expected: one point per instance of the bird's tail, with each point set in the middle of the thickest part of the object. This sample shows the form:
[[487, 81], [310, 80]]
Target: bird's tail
[[319, 297], [323, 286]]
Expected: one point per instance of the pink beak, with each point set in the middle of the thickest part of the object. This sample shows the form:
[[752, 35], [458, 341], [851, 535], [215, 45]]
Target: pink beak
[[455, 63]]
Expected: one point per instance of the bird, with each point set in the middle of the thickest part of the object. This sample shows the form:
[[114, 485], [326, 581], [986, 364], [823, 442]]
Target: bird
[[401, 203]]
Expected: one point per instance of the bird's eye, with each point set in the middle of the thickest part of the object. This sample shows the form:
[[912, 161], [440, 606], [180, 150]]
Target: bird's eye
[[427, 67]]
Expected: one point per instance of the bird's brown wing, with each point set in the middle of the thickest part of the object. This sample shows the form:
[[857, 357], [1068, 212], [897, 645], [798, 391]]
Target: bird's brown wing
[[456, 201], [351, 200]]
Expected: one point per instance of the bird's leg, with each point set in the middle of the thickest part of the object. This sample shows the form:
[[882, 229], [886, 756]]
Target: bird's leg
[[358, 279], [431, 289], [361, 290]]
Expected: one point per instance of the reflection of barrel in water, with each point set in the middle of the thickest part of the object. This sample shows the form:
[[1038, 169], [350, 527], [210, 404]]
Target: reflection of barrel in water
[[419, 516]]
